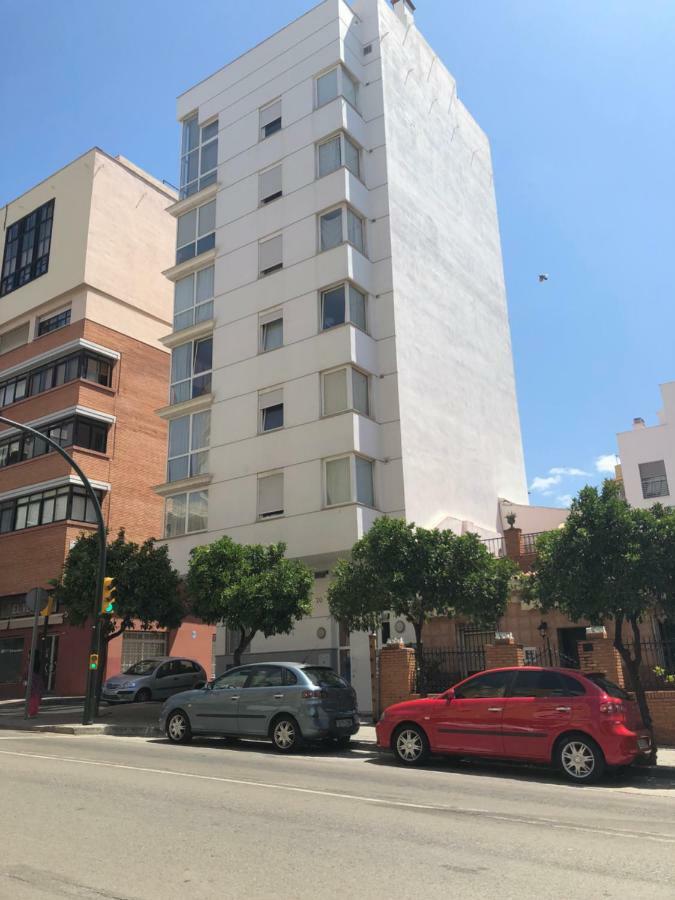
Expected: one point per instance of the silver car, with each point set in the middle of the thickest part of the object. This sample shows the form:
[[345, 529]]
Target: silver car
[[154, 679], [286, 702]]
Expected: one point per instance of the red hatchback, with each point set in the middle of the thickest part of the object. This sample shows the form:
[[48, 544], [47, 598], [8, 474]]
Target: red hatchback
[[579, 723]]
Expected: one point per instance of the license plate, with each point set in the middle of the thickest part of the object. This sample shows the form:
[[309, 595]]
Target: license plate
[[643, 743], [344, 723]]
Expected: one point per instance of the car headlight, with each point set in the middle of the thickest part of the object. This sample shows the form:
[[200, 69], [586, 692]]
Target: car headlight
[[130, 684]]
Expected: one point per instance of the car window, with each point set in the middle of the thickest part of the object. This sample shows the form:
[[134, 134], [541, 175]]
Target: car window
[[324, 677], [184, 666], [265, 676], [535, 683], [231, 680], [196, 667], [164, 670], [144, 667], [492, 684], [609, 687], [571, 687], [289, 676]]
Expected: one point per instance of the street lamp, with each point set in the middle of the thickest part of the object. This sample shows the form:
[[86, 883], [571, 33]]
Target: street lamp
[[543, 632], [92, 673]]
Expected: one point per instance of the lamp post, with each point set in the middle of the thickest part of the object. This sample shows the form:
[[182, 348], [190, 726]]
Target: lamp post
[[543, 631], [92, 674]]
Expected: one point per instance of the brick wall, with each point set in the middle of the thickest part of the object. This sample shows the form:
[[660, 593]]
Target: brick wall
[[397, 674], [598, 654], [503, 653], [662, 707]]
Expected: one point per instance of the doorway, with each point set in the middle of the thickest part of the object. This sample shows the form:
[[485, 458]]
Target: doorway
[[568, 639]]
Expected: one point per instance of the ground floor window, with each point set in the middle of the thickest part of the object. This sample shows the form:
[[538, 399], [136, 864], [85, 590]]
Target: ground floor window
[[138, 645], [11, 655]]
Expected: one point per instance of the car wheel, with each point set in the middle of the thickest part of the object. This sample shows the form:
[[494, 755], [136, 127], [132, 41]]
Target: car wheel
[[286, 734], [178, 727], [143, 696], [580, 759], [411, 746]]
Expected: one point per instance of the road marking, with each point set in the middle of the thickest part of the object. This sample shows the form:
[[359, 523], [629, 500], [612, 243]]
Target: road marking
[[376, 801]]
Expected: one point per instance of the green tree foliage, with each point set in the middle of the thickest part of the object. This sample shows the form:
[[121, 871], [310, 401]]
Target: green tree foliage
[[250, 588], [146, 585], [417, 573], [610, 562]]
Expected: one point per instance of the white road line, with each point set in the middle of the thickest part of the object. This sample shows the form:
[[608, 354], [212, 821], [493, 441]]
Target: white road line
[[378, 801]]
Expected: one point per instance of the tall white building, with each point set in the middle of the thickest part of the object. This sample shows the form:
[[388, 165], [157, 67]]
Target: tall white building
[[341, 347], [648, 456]]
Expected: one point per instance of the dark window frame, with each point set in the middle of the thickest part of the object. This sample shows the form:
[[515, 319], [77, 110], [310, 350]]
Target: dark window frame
[[30, 447], [27, 248], [62, 370], [10, 508], [53, 323]]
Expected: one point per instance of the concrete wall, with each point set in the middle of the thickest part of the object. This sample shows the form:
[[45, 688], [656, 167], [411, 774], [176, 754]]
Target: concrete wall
[[649, 444]]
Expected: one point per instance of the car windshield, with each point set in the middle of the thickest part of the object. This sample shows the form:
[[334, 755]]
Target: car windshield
[[609, 687], [144, 667], [324, 677]]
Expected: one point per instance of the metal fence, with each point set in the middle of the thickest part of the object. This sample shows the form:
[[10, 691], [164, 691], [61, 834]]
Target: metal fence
[[656, 654], [439, 668], [550, 656]]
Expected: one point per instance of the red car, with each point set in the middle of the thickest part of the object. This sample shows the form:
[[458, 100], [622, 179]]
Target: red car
[[580, 723]]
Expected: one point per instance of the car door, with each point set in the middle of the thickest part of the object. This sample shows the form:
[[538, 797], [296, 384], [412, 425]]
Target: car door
[[216, 708], [185, 675], [536, 710], [164, 679], [261, 698], [471, 722]]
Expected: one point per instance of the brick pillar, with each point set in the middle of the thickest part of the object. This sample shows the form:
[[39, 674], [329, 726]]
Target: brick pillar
[[397, 674], [598, 654], [513, 543], [504, 652]]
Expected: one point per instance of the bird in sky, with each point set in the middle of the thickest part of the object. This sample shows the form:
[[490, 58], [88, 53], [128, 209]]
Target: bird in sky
[[542, 278]]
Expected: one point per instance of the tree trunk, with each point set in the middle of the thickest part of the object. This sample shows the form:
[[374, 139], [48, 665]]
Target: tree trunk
[[633, 662], [244, 643]]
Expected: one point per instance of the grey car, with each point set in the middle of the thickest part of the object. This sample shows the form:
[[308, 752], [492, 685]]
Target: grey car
[[154, 679], [285, 702]]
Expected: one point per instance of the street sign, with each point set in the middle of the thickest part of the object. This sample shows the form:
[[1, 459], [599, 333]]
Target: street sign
[[36, 599]]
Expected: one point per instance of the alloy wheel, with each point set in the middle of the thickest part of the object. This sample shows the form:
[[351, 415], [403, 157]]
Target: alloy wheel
[[409, 745], [284, 734], [578, 760], [177, 727]]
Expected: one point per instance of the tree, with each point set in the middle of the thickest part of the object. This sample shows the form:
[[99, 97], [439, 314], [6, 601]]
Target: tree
[[610, 562], [146, 585], [250, 588], [417, 573]]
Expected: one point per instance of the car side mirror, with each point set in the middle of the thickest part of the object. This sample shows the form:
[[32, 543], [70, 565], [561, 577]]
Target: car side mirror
[[450, 695]]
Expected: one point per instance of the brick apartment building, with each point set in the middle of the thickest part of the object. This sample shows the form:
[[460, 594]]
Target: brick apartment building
[[83, 304]]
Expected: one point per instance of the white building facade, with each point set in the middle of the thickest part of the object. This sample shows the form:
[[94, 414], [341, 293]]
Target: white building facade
[[341, 347], [647, 456]]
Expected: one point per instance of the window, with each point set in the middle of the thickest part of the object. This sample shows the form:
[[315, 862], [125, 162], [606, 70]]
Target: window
[[270, 495], [185, 513], [654, 479], [493, 684], [146, 647], [540, 683], [11, 657], [336, 83], [265, 676], [349, 479], [77, 430], [271, 409], [343, 303], [51, 323], [345, 389], [196, 232], [60, 371], [189, 438], [193, 299], [270, 119], [613, 690], [271, 331], [339, 226], [570, 686], [199, 156], [270, 185], [27, 245], [191, 365], [324, 677], [232, 680], [336, 152], [44, 507], [270, 255]]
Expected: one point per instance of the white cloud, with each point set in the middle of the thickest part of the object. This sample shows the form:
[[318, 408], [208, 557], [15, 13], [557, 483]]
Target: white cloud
[[605, 464], [565, 499], [567, 470], [543, 485]]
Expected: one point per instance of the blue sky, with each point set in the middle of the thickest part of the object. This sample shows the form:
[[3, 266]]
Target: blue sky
[[577, 97]]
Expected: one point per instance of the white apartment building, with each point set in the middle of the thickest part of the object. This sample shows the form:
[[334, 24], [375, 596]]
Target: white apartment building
[[341, 347], [647, 456]]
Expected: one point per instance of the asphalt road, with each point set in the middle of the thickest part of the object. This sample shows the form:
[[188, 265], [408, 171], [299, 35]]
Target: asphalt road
[[130, 819]]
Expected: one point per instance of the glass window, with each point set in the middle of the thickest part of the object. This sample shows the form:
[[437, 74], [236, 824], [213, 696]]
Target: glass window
[[272, 334], [27, 246], [653, 479], [355, 230], [196, 232], [352, 157], [270, 185], [271, 495], [273, 417], [492, 684], [270, 255], [331, 229], [333, 307], [335, 398], [330, 156], [535, 683], [364, 482], [188, 439], [270, 119], [191, 365], [11, 659], [324, 677], [237, 678], [349, 88], [61, 371], [360, 392], [198, 510], [265, 676], [611, 689], [175, 513], [199, 156], [193, 299], [571, 687], [337, 481], [327, 87], [51, 323], [357, 307]]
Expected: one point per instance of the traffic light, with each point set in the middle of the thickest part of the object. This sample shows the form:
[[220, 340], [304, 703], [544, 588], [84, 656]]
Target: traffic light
[[109, 597], [93, 661], [49, 608]]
